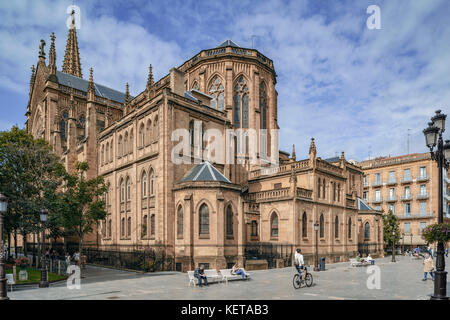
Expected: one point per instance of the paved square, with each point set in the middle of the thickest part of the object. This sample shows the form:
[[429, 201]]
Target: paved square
[[401, 280]]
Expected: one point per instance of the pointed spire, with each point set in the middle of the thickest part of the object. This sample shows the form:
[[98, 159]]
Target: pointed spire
[[127, 94], [342, 156], [293, 152], [52, 55], [312, 148], [72, 64], [150, 81], [41, 50], [91, 80]]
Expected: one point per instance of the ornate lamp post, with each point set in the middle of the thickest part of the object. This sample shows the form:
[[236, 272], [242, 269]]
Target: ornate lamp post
[[393, 245], [433, 138], [3, 287], [44, 275], [403, 243], [316, 260]]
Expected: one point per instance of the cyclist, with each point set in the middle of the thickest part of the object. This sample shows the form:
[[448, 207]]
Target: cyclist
[[299, 262]]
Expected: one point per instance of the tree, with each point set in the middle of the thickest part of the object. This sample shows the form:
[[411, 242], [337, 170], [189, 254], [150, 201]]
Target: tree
[[391, 230], [81, 205], [30, 174]]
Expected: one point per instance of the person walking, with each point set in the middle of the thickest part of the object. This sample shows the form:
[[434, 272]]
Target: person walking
[[446, 252], [428, 267]]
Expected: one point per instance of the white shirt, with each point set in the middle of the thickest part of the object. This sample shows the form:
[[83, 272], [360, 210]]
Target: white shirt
[[299, 259]]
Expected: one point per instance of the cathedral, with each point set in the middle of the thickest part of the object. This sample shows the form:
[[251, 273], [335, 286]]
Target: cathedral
[[201, 211]]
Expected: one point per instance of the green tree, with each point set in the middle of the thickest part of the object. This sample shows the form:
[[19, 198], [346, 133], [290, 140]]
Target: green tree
[[81, 205], [30, 174], [391, 229]]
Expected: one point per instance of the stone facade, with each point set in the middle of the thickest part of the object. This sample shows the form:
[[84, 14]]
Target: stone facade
[[153, 202]]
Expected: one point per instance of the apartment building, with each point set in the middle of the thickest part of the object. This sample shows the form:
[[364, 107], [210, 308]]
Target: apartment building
[[407, 185]]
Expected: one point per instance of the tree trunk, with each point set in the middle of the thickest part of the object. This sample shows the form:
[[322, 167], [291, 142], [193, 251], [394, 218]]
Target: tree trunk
[[15, 243], [8, 253], [25, 251]]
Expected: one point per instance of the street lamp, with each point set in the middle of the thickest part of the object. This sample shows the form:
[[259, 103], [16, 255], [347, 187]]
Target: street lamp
[[44, 275], [3, 287], [393, 245], [316, 260], [433, 138], [403, 243]]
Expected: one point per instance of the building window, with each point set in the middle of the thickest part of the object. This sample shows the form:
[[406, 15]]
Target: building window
[[423, 225], [378, 208], [148, 130], [180, 221], [263, 105], [107, 154], [365, 196], [144, 227], [392, 176], [241, 103], [423, 190], [304, 225], [216, 90], [377, 195], [144, 185], [254, 228], [334, 190], [321, 226], [152, 182], [422, 172], [336, 227], [128, 189], [423, 208], [120, 146], [229, 223], [339, 192], [122, 191], [407, 192], [204, 219], [392, 193], [274, 226], [122, 227], [349, 228], [109, 228], [141, 136], [111, 153], [324, 195], [125, 144], [152, 225], [318, 188], [367, 230], [392, 208], [407, 209], [156, 129], [131, 141], [407, 227], [129, 228], [378, 178], [407, 174]]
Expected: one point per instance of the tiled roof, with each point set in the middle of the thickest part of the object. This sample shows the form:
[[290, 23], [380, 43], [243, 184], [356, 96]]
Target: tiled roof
[[228, 43], [204, 171], [334, 159], [81, 84]]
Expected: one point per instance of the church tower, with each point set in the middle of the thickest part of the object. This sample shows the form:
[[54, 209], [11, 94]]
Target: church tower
[[72, 64]]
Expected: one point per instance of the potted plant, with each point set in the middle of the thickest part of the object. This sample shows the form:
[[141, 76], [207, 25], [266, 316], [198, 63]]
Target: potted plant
[[437, 232]]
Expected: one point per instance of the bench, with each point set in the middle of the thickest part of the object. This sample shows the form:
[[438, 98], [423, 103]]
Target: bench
[[10, 280], [211, 275], [354, 263], [227, 275]]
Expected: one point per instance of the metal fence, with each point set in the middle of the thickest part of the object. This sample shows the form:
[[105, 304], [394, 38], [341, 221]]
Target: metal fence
[[270, 252], [366, 248]]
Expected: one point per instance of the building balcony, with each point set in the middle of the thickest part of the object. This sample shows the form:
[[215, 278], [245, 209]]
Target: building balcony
[[406, 197], [422, 178], [391, 199], [422, 196], [366, 184], [377, 200], [377, 184], [423, 215], [406, 180], [391, 182]]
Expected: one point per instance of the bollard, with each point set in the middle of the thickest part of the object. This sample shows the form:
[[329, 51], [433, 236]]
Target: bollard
[[59, 266]]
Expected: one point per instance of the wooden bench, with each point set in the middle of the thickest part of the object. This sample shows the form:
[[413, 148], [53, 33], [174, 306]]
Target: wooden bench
[[227, 275]]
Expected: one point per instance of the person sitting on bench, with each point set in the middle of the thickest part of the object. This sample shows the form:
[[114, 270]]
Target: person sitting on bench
[[199, 273], [237, 270]]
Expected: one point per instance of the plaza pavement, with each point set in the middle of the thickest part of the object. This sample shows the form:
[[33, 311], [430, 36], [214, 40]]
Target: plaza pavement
[[399, 281]]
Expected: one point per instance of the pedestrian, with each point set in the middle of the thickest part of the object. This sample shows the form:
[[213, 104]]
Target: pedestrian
[[428, 267], [238, 271], [76, 258], [199, 273], [446, 252]]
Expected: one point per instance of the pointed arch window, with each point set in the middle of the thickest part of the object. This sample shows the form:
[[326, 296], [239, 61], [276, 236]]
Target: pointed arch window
[[229, 222], [149, 131], [109, 228], [274, 225], [216, 90], [304, 225], [336, 227], [321, 226], [152, 182], [318, 188], [82, 125], [204, 219], [125, 144], [128, 189], [349, 228], [195, 86], [144, 227], [111, 153], [156, 129], [324, 195], [131, 141], [63, 126], [367, 230], [240, 100], [122, 227], [107, 154], [120, 147], [103, 155], [141, 136], [180, 221], [263, 104], [129, 227], [144, 184], [254, 228], [122, 191]]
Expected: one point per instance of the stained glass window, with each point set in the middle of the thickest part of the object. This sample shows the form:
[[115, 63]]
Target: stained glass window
[[263, 105], [241, 103], [216, 90]]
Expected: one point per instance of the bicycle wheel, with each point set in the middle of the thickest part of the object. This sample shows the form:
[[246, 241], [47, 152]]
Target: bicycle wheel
[[309, 280], [297, 281]]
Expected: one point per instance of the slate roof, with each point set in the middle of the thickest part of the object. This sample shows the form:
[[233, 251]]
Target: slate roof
[[362, 205], [81, 84], [204, 171], [228, 43], [334, 159]]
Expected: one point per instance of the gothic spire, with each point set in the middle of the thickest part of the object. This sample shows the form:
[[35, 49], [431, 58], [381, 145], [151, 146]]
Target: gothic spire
[[150, 81], [127, 95], [293, 152], [312, 148], [32, 75], [72, 64], [52, 55], [91, 80]]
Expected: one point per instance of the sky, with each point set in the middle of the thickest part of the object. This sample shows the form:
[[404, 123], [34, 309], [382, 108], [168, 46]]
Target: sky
[[352, 88]]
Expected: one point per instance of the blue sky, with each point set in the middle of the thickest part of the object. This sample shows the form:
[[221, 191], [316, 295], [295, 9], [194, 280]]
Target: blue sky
[[351, 88]]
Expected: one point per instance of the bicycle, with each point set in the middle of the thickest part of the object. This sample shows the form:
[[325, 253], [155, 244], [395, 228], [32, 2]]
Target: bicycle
[[298, 280]]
